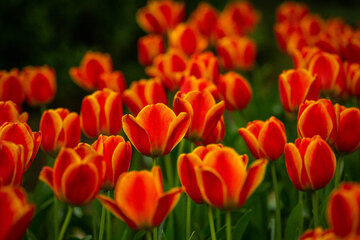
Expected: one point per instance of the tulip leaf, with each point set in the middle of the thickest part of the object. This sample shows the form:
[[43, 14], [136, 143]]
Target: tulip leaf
[[139, 235], [194, 236], [294, 223], [239, 228]]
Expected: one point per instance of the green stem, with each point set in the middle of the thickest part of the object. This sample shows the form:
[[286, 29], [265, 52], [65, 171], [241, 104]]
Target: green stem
[[277, 199], [338, 171], [302, 217], [56, 217], [188, 217], [102, 223], [154, 162], [315, 208], [228, 225], [108, 222], [155, 234], [94, 218], [211, 223], [218, 220], [148, 235], [66, 223], [169, 169], [123, 237]]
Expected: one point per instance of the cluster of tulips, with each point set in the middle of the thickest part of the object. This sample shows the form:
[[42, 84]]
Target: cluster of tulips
[[202, 87]]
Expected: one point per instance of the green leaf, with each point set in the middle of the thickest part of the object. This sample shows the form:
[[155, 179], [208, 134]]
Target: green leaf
[[294, 223], [139, 235], [240, 226]]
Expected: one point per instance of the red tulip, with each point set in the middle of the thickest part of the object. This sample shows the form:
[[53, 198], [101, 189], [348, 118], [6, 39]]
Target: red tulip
[[301, 58], [11, 87], [9, 113], [11, 163], [216, 136], [352, 71], [351, 46], [204, 65], [291, 12], [318, 234], [204, 19], [284, 31], [149, 47], [198, 84], [113, 80]]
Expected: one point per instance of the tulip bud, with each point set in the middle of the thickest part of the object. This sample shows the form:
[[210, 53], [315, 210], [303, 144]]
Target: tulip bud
[[204, 19], [11, 87]]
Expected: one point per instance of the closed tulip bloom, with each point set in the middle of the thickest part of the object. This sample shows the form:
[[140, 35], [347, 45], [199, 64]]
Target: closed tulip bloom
[[352, 71], [11, 163], [149, 47], [348, 134], [317, 118], [296, 86], [198, 84], [113, 80], [291, 12], [310, 163], [235, 90], [116, 154], [91, 67], [156, 130], [160, 16], [21, 133], [203, 111], [39, 84], [16, 213], [11, 87], [77, 175], [265, 139], [144, 92], [343, 211], [9, 113], [318, 234], [59, 128], [100, 113], [204, 19], [139, 199], [204, 65]]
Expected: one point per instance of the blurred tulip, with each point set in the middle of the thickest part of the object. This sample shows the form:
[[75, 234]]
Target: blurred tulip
[[348, 134], [160, 16], [77, 174], [265, 139], [11, 163], [284, 31], [91, 67], [156, 130], [21, 133], [291, 12], [301, 58], [352, 71], [203, 111], [204, 65], [16, 213], [351, 46], [139, 199], [59, 128], [296, 41], [39, 84], [198, 84], [317, 118], [312, 25], [235, 91], [9, 113], [343, 211], [117, 155], [11, 87], [142, 93], [101, 113], [149, 47], [310, 163], [113, 80], [318, 234], [204, 19]]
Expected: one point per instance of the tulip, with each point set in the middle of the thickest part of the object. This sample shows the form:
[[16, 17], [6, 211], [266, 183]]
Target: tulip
[[283, 32], [91, 67], [21, 133], [343, 211], [352, 71], [265, 139], [348, 134], [59, 128], [143, 93], [204, 19], [156, 130], [291, 12], [11, 87], [100, 113], [149, 47], [39, 84], [317, 118], [310, 163], [216, 136], [203, 111], [318, 234], [312, 25], [11, 163], [16, 213], [117, 156], [9, 113], [139, 199], [113, 80], [204, 65], [296, 41], [198, 84], [351, 46], [302, 57], [296, 86], [235, 91], [77, 174]]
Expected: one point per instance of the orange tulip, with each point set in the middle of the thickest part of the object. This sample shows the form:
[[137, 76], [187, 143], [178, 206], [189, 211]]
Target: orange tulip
[[113, 80], [9, 113], [59, 128], [11, 163], [39, 84], [318, 234], [117, 156], [291, 12], [91, 67], [348, 134], [149, 47], [284, 31], [296, 86], [143, 93], [204, 19], [198, 84], [203, 111], [204, 65], [265, 139], [16, 213], [100, 113], [312, 25], [317, 118], [156, 130], [235, 91], [302, 57], [21, 133], [11, 87], [139, 199], [351, 46], [352, 71], [224, 180], [160, 16], [343, 211], [310, 163], [216, 136], [77, 174]]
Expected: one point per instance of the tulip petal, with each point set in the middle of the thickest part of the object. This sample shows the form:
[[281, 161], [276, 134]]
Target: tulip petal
[[72, 130], [340, 215], [46, 175], [50, 127], [252, 142], [177, 131], [212, 186], [113, 112], [89, 118], [212, 118], [348, 136], [294, 164], [272, 139]]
